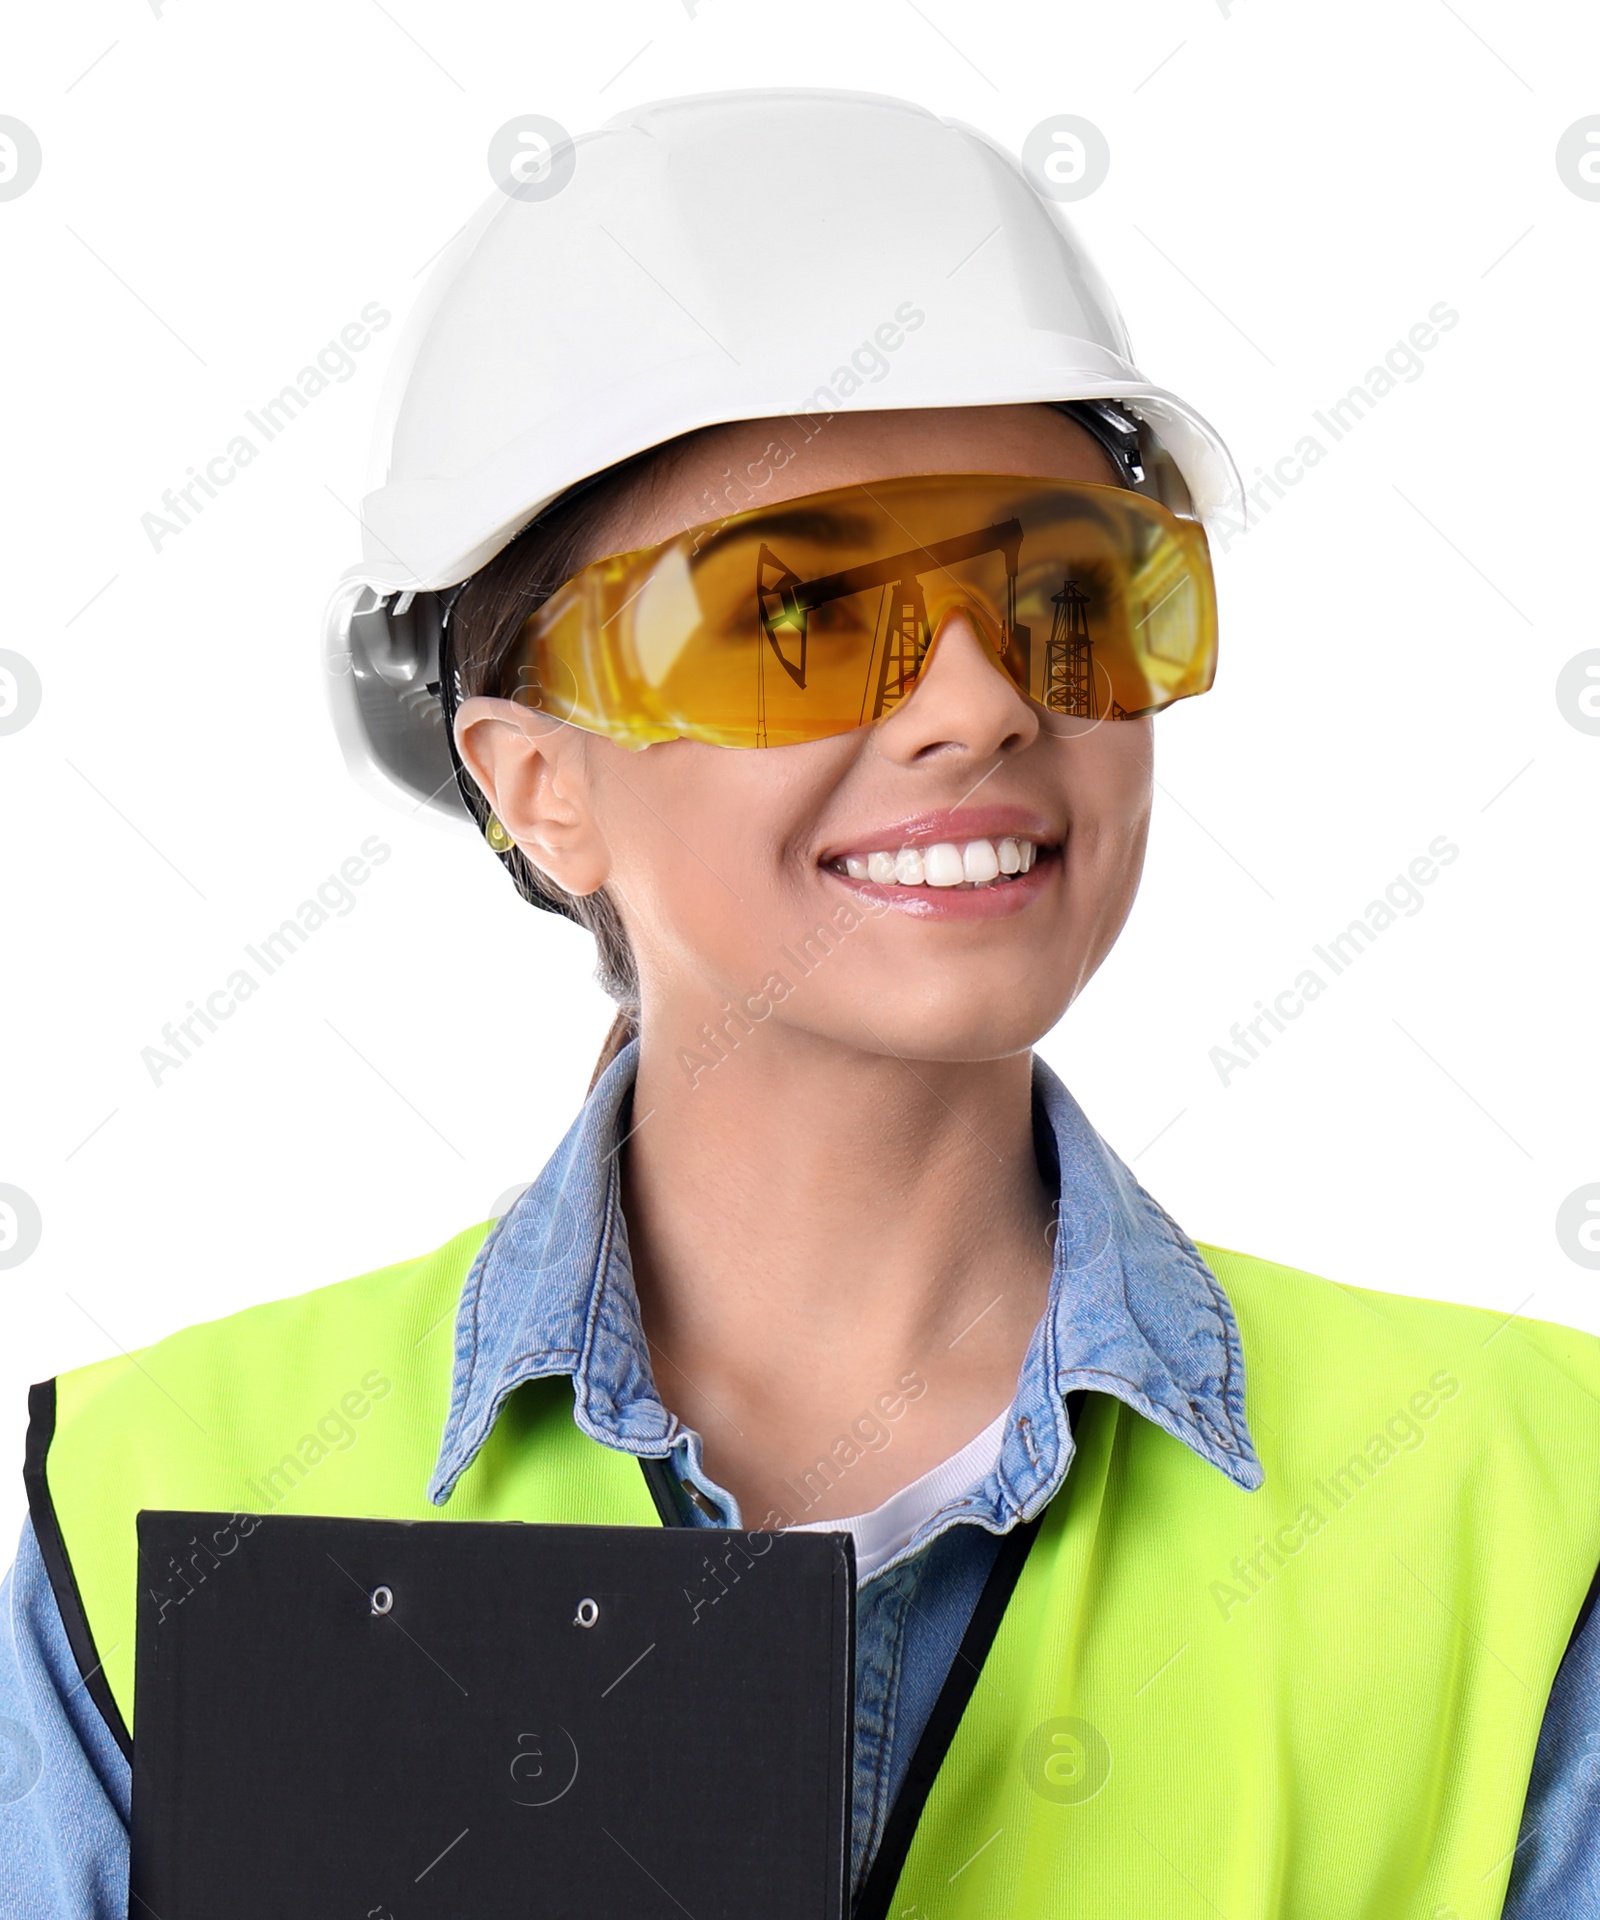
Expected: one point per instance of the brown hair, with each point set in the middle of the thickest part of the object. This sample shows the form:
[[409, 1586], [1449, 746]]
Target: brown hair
[[479, 656]]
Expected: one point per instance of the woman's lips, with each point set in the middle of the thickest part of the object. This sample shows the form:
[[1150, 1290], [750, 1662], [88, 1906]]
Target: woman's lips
[[952, 825], [952, 863], [1009, 893]]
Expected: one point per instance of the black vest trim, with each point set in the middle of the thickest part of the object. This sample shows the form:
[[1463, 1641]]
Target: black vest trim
[[658, 1477], [901, 1826], [53, 1551]]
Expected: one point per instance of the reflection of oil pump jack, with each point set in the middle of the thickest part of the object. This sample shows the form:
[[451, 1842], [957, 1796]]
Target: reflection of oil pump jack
[[785, 602]]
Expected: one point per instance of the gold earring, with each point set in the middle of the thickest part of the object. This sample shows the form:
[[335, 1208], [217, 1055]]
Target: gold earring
[[497, 836]]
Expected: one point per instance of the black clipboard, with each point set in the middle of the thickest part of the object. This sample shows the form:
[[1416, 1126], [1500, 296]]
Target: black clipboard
[[464, 1720]]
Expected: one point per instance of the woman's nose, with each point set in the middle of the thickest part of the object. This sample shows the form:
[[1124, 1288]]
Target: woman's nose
[[963, 701]]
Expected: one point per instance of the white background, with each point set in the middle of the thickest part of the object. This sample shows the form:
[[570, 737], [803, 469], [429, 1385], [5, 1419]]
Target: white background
[[1290, 191]]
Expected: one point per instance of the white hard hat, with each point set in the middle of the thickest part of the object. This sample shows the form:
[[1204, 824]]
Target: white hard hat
[[722, 257]]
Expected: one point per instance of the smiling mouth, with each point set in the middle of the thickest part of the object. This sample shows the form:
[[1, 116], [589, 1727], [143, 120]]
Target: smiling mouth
[[967, 864]]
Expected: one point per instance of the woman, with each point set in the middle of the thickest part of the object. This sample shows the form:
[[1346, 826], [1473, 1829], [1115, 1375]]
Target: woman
[[1188, 1583]]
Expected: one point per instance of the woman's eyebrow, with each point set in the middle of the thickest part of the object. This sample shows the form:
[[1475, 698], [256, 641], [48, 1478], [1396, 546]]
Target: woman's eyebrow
[[801, 521]]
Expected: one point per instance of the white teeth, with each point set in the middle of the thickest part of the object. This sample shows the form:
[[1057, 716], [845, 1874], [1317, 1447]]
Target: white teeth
[[942, 865], [979, 862]]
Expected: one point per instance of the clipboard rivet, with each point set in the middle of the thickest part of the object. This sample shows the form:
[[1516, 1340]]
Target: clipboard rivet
[[586, 1616], [382, 1600]]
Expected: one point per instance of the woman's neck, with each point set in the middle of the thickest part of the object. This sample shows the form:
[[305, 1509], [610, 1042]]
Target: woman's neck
[[819, 1235]]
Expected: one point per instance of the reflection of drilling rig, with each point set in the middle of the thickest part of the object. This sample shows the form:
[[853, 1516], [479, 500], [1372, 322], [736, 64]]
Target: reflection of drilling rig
[[1069, 659], [1069, 676], [785, 601]]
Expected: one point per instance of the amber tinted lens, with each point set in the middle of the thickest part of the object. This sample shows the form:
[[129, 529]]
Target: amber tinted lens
[[814, 617], [1115, 608]]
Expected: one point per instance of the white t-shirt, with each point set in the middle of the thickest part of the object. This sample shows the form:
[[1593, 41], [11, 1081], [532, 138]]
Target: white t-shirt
[[880, 1534]]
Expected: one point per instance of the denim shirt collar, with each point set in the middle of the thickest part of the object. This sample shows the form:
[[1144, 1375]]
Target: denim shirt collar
[[1133, 1311]]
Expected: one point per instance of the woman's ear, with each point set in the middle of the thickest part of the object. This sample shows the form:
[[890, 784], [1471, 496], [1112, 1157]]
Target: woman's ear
[[535, 775]]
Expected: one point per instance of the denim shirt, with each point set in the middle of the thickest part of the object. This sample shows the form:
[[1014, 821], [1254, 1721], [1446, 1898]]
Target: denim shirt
[[1132, 1311]]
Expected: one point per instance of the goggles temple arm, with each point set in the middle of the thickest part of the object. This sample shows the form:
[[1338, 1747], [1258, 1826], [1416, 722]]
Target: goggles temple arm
[[1116, 431]]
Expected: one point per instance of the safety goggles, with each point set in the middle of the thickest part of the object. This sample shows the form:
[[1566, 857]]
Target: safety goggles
[[815, 616]]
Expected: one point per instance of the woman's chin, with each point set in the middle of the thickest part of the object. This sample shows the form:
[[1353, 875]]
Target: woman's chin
[[956, 1029]]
